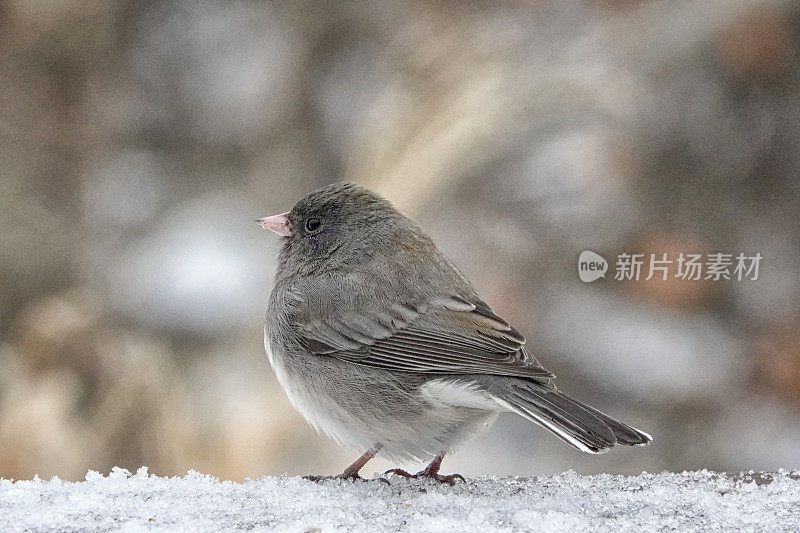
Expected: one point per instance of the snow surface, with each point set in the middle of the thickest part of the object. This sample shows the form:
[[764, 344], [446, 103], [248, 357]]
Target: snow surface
[[564, 502]]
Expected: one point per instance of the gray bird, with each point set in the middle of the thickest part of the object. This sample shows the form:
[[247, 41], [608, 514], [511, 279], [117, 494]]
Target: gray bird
[[382, 344]]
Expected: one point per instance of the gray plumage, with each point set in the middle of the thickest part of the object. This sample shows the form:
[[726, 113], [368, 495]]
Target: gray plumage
[[382, 344]]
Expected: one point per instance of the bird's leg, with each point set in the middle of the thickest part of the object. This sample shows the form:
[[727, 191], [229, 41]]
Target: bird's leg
[[351, 472], [430, 472]]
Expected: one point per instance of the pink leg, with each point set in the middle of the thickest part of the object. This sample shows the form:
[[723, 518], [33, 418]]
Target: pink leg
[[351, 472]]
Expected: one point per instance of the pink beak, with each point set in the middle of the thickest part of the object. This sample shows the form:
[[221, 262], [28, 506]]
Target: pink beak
[[277, 223]]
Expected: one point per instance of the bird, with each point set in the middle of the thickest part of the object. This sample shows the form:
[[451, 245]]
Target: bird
[[381, 343]]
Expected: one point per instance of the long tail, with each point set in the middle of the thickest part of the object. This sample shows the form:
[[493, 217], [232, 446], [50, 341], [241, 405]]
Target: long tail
[[577, 424]]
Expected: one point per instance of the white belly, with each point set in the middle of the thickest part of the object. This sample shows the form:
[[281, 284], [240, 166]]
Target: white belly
[[360, 407]]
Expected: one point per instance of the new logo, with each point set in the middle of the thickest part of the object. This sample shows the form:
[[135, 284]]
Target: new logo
[[591, 266]]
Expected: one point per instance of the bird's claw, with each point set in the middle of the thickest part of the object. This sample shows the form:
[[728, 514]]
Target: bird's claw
[[399, 472], [346, 476], [425, 474]]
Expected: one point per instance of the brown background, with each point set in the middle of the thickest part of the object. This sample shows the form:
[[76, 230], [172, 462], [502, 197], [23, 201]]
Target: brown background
[[140, 140]]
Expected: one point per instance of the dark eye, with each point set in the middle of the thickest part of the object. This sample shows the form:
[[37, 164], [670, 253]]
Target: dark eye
[[313, 224]]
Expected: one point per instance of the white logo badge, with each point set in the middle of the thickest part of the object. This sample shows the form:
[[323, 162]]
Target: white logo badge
[[591, 266]]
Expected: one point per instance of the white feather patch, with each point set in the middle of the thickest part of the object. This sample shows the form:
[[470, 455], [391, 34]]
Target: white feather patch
[[450, 393]]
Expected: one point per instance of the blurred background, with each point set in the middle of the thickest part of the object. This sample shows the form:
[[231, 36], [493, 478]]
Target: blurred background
[[141, 139]]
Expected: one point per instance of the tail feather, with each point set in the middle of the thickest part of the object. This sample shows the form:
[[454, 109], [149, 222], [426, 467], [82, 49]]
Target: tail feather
[[627, 435], [574, 422]]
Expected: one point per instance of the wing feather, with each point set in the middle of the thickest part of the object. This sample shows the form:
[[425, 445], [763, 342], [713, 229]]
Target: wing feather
[[448, 334]]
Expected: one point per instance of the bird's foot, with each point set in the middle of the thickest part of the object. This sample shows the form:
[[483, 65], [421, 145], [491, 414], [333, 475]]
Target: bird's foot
[[351, 472], [344, 475], [347, 476], [427, 474]]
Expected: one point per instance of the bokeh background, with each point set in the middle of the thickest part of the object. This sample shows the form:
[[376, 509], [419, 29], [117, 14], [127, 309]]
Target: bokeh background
[[141, 139]]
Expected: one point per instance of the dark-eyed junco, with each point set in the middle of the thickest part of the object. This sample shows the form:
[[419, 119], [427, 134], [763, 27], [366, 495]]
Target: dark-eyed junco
[[382, 344]]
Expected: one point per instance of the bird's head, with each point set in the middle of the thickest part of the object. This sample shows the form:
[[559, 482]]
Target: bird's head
[[339, 225]]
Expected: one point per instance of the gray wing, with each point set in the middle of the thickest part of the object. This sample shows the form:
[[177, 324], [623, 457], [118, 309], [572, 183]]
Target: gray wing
[[445, 335]]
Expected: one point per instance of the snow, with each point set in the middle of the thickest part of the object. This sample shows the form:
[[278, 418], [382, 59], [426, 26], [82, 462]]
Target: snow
[[564, 502]]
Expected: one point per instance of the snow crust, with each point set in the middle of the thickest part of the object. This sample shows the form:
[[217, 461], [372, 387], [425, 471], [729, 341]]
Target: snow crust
[[689, 501]]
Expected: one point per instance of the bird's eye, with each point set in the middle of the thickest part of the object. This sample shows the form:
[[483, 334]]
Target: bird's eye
[[313, 224]]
